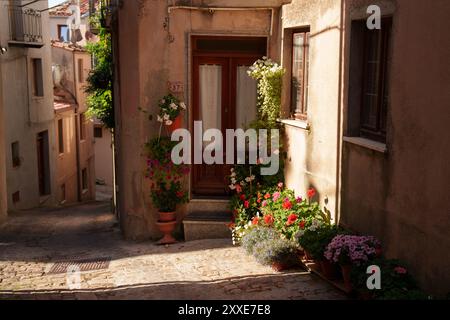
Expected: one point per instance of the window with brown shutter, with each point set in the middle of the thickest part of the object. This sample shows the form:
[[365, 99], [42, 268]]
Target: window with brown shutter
[[369, 80]]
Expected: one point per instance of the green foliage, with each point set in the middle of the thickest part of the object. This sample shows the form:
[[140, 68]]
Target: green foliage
[[281, 251], [316, 238], [257, 235], [100, 79], [269, 76], [167, 188], [396, 282]]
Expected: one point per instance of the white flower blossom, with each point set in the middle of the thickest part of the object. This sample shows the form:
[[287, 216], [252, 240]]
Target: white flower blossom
[[232, 186], [173, 106], [166, 117], [183, 105], [242, 183], [160, 119], [233, 180], [168, 122]]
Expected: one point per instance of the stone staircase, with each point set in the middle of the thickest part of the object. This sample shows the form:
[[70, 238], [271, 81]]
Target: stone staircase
[[207, 219]]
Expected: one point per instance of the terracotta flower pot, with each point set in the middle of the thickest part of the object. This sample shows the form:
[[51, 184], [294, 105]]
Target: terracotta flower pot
[[167, 216], [308, 256], [166, 228], [346, 272], [278, 266], [329, 270], [177, 123]]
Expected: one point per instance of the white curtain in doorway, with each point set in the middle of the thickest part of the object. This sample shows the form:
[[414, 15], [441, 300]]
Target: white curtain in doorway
[[211, 96], [246, 96]]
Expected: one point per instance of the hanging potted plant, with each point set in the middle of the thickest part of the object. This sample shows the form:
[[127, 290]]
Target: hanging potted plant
[[167, 187], [170, 108]]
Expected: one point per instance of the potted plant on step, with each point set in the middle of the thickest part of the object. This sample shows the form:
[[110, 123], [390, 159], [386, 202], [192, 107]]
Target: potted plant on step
[[315, 240], [167, 185], [350, 250], [280, 254]]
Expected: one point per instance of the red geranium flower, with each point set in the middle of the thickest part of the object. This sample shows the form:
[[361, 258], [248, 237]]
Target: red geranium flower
[[400, 270], [291, 219], [267, 196], [180, 194], [246, 204], [242, 197], [287, 205], [238, 188], [255, 220], [259, 200], [268, 219], [311, 193], [302, 224]]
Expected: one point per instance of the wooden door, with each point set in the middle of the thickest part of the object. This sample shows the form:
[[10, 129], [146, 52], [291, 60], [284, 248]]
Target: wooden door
[[224, 97], [211, 106]]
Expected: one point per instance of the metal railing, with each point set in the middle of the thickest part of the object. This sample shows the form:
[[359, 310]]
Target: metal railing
[[25, 25]]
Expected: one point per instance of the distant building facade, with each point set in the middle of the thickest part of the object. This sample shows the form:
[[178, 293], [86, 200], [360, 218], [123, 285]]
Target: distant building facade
[[26, 101], [75, 168]]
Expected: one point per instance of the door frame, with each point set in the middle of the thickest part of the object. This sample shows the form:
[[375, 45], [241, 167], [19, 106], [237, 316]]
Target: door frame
[[194, 79]]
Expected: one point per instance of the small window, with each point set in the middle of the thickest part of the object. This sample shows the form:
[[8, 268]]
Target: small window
[[369, 76], [82, 126], [38, 82], [63, 33], [63, 193], [80, 71], [16, 197], [15, 152], [300, 74], [98, 132], [84, 179], [61, 136]]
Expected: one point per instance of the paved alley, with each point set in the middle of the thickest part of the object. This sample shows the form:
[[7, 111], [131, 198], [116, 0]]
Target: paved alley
[[32, 242]]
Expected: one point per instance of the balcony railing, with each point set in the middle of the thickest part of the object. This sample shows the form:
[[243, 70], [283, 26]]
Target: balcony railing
[[25, 27]]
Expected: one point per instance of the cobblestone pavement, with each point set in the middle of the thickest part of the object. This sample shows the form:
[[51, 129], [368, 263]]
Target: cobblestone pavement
[[31, 242]]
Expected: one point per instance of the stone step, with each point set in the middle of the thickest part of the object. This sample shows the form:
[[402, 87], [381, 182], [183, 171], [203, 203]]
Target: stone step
[[208, 205], [207, 225]]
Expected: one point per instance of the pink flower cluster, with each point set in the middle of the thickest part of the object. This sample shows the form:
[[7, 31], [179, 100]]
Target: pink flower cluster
[[352, 249]]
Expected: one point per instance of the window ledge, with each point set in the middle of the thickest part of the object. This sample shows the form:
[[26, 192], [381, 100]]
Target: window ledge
[[366, 143], [296, 123]]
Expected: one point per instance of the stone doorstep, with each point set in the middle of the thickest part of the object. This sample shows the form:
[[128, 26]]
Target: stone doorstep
[[207, 225], [208, 205]]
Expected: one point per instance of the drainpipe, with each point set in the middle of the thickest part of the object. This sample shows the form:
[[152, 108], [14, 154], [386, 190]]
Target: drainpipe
[[212, 9], [77, 133], [339, 117]]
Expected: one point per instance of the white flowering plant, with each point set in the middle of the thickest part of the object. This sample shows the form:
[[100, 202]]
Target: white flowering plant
[[269, 75], [170, 108]]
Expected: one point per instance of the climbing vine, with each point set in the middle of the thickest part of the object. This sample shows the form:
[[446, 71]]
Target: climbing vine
[[99, 81], [269, 76]]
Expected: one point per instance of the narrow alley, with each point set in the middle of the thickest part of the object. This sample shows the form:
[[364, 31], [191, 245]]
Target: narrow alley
[[32, 242]]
